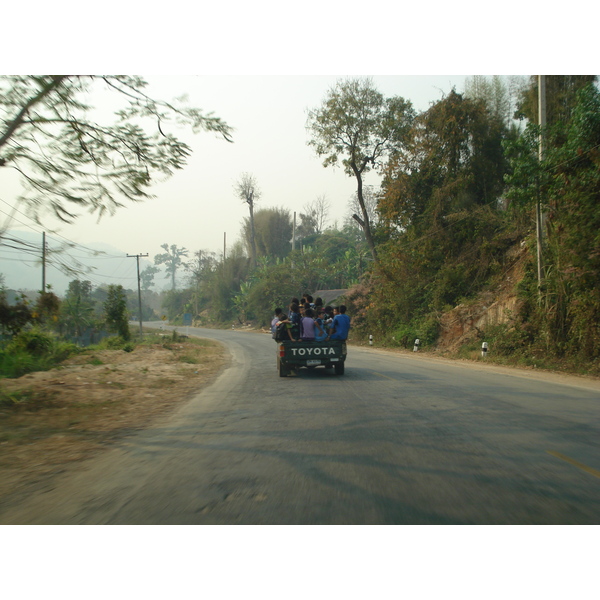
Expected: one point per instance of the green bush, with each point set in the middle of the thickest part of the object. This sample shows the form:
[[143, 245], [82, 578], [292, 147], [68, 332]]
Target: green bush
[[62, 350], [115, 342], [33, 350], [115, 311], [17, 363], [504, 339], [33, 341], [426, 329]]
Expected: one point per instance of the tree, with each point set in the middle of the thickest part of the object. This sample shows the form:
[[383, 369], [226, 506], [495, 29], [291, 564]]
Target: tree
[[307, 226], [13, 317], [224, 282], [78, 307], [453, 162], [273, 232], [247, 190], [357, 125], [499, 94], [47, 306], [69, 161], [172, 260], [115, 311], [76, 314], [147, 277], [314, 218], [81, 289], [240, 301], [199, 270], [439, 203]]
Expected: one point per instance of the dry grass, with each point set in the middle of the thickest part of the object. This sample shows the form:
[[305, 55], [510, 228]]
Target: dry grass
[[51, 419]]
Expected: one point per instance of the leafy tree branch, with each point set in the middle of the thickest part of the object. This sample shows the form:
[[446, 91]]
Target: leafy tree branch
[[69, 160]]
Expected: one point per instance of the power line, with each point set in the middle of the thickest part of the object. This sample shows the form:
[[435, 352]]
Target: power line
[[71, 242]]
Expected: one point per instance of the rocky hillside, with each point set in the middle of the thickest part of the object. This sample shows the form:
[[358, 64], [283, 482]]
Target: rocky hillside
[[494, 306]]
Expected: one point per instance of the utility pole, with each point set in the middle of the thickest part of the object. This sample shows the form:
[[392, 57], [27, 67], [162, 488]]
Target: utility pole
[[43, 261], [250, 200], [137, 257], [540, 216], [294, 233]]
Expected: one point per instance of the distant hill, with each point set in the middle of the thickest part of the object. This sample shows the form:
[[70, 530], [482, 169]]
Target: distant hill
[[100, 263]]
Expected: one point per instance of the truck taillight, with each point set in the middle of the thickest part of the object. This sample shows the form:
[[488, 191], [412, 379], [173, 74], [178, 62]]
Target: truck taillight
[[281, 351]]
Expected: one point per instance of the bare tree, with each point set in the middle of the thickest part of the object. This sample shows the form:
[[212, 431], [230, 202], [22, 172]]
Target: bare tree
[[247, 190], [320, 208]]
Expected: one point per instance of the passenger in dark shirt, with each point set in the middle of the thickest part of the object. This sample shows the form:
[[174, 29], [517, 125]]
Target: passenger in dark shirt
[[296, 321]]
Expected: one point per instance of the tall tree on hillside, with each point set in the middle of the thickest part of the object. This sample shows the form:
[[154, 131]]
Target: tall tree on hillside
[[70, 159], [172, 259], [454, 161], [203, 263], [440, 200], [247, 190], [356, 125]]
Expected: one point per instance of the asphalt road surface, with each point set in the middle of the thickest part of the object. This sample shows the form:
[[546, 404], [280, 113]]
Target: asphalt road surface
[[398, 439]]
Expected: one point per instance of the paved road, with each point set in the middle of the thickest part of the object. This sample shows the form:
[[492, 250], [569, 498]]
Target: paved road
[[399, 439]]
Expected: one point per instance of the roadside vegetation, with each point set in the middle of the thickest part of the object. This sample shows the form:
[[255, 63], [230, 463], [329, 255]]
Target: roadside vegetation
[[38, 336]]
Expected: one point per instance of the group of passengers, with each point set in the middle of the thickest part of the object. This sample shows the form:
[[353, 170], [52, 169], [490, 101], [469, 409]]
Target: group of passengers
[[310, 321]]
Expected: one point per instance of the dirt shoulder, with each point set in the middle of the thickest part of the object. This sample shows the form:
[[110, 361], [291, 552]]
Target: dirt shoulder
[[60, 417]]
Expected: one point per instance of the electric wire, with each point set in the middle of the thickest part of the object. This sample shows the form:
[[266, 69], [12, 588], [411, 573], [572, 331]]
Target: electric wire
[[50, 236], [58, 261]]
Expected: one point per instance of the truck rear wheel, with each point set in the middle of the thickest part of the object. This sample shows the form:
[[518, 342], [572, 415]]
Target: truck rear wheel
[[283, 372], [339, 368]]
